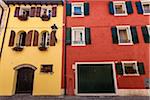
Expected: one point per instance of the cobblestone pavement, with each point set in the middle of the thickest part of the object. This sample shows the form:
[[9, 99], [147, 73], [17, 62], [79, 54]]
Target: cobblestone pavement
[[30, 97]]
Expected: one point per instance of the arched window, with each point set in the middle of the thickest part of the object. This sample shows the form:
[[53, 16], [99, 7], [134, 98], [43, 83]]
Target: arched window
[[22, 39], [45, 39]]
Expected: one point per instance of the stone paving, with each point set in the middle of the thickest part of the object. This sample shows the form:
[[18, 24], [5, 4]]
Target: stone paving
[[30, 97]]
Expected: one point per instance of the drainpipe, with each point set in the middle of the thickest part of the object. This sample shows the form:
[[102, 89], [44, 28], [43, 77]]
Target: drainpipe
[[65, 49]]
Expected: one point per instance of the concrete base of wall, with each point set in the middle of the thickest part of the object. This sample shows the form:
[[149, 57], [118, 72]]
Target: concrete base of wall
[[133, 92]]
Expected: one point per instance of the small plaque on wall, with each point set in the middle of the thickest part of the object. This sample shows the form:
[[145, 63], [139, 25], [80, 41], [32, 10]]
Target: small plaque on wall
[[46, 69]]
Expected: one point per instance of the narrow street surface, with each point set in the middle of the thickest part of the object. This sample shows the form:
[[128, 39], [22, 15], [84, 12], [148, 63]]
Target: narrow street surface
[[30, 97]]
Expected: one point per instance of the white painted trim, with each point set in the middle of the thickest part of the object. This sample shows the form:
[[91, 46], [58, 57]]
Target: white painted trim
[[93, 94], [124, 74], [134, 92], [124, 7], [77, 4], [127, 27], [148, 27], [25, 65], [72, 35]]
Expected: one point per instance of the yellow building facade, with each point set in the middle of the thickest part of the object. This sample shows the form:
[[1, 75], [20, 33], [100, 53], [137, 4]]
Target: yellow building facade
[[31, 59]]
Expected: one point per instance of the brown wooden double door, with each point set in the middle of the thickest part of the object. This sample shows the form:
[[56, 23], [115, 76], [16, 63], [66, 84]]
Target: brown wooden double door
[[25, 80]]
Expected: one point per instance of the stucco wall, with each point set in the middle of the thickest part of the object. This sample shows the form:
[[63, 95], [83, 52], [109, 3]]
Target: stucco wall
[[102, 49], [44, 84]]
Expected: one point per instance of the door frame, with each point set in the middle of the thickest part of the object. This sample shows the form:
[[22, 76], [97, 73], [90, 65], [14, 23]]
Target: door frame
[[16, 74], [96, 94]]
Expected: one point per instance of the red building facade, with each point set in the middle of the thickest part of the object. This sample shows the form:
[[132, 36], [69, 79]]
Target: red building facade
[[106, 47]]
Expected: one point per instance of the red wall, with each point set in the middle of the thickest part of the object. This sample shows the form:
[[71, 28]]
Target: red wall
[[102, 48]]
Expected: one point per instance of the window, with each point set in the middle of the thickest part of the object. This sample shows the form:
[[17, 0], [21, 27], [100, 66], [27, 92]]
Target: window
[[22, 39], [146, 7], [24, 11], [47, 68], [77, 9], [46, 12], [124, 35], [45, 39], [119, 8], [130, 68], [78, 36]]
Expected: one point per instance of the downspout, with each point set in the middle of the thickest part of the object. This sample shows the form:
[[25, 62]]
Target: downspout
[[65, 49], [5, 32]]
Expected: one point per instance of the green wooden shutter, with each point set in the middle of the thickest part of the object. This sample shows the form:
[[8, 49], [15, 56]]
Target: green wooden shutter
[[129, 7], [87, 36], [134, 34], [141, 68], [139, 7], [114, 35], [86, 9], [111, 8], [145, 34], [119, 68], [68, 9], [68, 36]]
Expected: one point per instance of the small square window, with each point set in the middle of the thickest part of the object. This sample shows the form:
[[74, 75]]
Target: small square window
[[77, 9], [130, 68], [120, 8], [146, 7], [78, 36], [124, 35], [46, 68]]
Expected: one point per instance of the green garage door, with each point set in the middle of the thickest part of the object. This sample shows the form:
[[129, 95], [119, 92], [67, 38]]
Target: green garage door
[[95, 78]]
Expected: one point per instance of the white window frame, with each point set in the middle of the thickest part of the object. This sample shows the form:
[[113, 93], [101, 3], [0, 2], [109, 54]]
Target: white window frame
[[96, 94], [148, 28], [45, 7], [24, 7], [128, 33], [73, 29], [123, 67], [124, 7], [79, 4], [145, 2]]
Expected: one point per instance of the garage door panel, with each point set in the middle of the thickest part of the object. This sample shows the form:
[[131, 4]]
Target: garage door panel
[[95, 78]]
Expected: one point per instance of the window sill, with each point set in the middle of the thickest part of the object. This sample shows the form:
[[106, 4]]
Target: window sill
[[120, 14], [131, 74], [78, 16], [46, 18], [78, 45], [23, 18], [43, 48], [125, 44], [18, 48], [146, 14]]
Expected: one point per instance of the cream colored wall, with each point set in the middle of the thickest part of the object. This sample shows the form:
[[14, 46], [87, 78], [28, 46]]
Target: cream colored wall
[[3, 22], [44, 84]]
